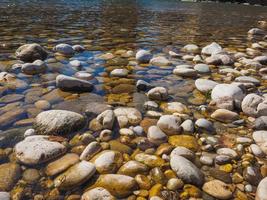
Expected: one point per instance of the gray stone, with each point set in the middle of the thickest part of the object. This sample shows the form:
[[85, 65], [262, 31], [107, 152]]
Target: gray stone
[[261, 193], [160, 61], [158, 93], [64, 49], [202, 68], [188, 126], [143, 56], [36, 67], [204, 85], [212, 48], [156, 136], [97, 193], [31, 52], [169, 124]]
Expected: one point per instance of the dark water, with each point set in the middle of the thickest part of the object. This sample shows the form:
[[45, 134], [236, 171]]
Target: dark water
[[109, 25]]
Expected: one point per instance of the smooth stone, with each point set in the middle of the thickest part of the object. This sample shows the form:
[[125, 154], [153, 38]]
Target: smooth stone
[[38, 149], [188, 126], [206, 160], [9, 175], [185, 72], [202, 68], [261, 59], [190, 48], [227, 96], [156, 136], [90, 151], [261, 193], [58, 122], [5, 196], [126, 132], [106, 119], [224, 115], [186, 170], [252, 175], [186, 141], [211, 49], [184, 152], [205, 85], [98, 193], [143, 85], [169, 124], [158, 93], [31, 176], [78, 48], [75, 175], [31, 52], [254, 105], [127, 116], [256, 31], [260, 138], [68, 83], [37, 67], [218, 189], [133, 168], [149, 160], [84, 75], [119, 72], [160, 61], [204, 124], [118, 185], [261, 123], [174, 107], [12, 116], [247, 79], [42, 104], [61, 164], [256, 150], [227, 152], [222, 159], [64, 49], [10, 98], [143, 56]]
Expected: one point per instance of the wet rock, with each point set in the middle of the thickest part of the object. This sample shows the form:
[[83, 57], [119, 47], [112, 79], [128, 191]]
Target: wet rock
[[31, 52], [42, 104], [10, 98], [158, 93], [143, 56], [118, 185], [252, 175], [254, 105], [261, 123], [106, 119], [169, 124], [68, 83], [9, 175], [11, 117], [191, 48], [31, 176], [58, 122], [160, 61], [118, 146], [78, 48], [185, 72], [91, 150], [132, 168], [75, 175], [61, 164], [261, 59], [108, 162], [156, 136], [256, 31], [202, 68], [256, 150], [224, 115], [227, 152], [206, 160], [204, 85], [186, 141], [84, 75], [143, 85], [212, 48], [95, 108], [38, 149], [227, 96], [260, 138], [184, 152], [261, 193], [11, 82], [149, 160], [97, 193], [218, 189], [247, 79], [64, 49], [119, 72], [174, 107], [127, 116], [36, 67], [186, 170], [204, 125], [188, 126]]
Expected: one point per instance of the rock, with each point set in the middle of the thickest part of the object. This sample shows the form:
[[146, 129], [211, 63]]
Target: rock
[[78, 48], [224, 115], [186, 170], [11, 82], [143, 56], [143, 85], [186, 141], [254, 105], [261, 59], [174, 107], [31, 176], [188, 126], [84, 75], [256, 150], [10, 117], [218, 189], [38, 149], [31, 52], [61, 164], [205, 125], [106, 119], [160, 61], [169, 124], [260, 138], [202, 68], [119, 72], [227, 152], [58, 122], [185, 72], [261, 123], [206, 160], [64, 49], [156, 136], [68, 83], [91, 150], [95, 108], [261, 193], [133, 168], [190, 48], [256, 31], [42, 104], [149, 160], [108, 162], [118, 146], [9, 175], [252, 175], [75, 175], [5, 196], [211, 49], [204, 85], [127, 116], [98, 193], [227, 96], [158, 93], [10, 98], [184, 152], [247, 79], [118, 185], [36, 67]]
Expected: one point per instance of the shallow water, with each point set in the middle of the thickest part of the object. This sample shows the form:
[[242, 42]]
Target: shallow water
[[103, 26]]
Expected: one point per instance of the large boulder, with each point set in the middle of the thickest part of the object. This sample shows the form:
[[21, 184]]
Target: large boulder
[[68, 83], [227, 96], [31, 52], [58, 122], [38, 149]]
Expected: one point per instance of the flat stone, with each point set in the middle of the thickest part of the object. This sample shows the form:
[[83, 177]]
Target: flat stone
[[9, 175], [133, 168], [224, 115], [185, 72], [204, 85], [37, 67], [143, 56], [119, 72], [218, 189], [186, 141], [160, 61]]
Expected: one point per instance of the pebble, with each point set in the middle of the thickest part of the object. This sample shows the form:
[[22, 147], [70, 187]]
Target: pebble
[[158, 93], [156, 136], [218, 189]]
